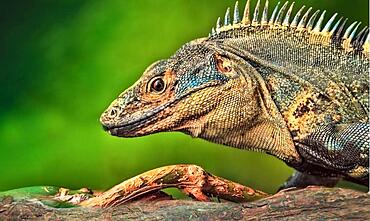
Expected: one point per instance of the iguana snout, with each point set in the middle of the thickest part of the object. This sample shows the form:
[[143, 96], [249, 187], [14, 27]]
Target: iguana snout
[[134, 111]]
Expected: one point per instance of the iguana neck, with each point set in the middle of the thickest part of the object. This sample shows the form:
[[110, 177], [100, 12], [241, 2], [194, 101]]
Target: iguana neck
[[265, 131]]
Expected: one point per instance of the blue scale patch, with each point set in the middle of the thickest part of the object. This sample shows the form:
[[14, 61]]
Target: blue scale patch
[[188, 82]]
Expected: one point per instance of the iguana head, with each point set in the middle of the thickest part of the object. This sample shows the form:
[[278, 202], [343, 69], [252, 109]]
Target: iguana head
[[205, 91], [197, 91]]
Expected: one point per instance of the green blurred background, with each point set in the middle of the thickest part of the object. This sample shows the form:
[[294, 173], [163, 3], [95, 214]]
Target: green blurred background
[[63, 62]]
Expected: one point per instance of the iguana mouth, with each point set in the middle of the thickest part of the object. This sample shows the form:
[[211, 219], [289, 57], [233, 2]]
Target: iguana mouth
[[131, 128]]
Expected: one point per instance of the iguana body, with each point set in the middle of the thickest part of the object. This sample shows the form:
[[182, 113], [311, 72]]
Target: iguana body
[[282, 85]]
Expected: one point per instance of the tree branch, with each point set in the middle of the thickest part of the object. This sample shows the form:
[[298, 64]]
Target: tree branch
[[311, 203]]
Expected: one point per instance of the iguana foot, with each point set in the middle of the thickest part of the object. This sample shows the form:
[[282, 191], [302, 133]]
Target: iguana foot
[[302, 180]]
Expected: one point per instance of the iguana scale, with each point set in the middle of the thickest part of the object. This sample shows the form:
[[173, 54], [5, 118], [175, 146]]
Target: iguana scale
[[282, 84]]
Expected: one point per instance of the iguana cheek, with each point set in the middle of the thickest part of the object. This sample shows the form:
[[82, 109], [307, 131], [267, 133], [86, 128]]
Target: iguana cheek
[[191, 82]]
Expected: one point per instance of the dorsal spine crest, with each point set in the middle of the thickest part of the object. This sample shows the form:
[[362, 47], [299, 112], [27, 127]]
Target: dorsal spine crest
[[279, 19]]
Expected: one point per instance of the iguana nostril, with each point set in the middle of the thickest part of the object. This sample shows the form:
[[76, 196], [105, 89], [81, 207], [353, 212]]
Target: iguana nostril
[[113, 113]]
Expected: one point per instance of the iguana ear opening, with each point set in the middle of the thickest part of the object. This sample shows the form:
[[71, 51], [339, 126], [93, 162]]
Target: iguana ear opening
[[223, 64], [226, 65]]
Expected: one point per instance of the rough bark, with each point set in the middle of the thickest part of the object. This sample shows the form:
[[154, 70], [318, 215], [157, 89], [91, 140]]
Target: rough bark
[[193, 180], [312, 203]]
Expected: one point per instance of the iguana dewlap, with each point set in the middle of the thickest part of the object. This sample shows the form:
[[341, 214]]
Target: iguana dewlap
[[285, 84]]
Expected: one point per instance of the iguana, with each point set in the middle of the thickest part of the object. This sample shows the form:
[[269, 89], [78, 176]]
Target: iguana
[[288, 86]]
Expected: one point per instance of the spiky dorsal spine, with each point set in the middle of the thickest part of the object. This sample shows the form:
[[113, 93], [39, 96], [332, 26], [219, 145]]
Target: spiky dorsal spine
[[338, 35]]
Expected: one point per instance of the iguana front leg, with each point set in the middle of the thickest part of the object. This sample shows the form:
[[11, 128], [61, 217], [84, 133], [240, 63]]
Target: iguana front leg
[[332, 152]]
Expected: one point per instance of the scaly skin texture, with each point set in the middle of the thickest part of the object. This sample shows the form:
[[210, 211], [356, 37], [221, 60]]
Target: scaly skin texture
[[298, 93]]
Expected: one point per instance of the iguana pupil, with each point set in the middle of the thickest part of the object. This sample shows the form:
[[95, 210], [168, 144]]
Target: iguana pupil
[[157, 85]]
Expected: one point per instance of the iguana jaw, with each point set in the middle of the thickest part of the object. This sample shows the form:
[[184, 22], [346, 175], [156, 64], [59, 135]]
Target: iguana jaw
[[140, 122], [133, 127]]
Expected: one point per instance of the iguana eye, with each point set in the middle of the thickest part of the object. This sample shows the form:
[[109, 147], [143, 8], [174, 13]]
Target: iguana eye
[[157, 85]]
